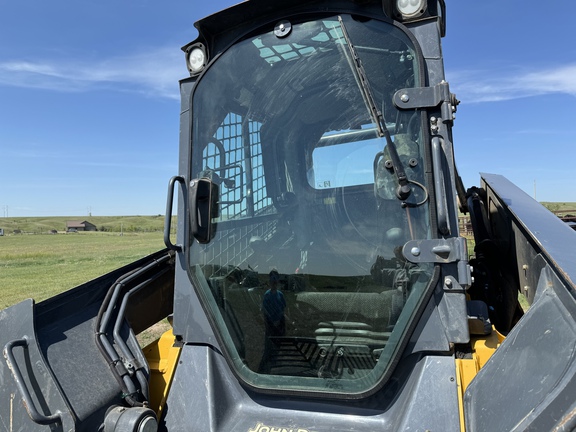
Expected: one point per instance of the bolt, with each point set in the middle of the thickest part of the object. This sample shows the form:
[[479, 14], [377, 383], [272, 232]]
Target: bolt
[[415, 251], [404, 98], [448, 282]]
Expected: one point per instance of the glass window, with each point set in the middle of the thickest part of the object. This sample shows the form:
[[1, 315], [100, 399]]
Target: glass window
[[304, 279]]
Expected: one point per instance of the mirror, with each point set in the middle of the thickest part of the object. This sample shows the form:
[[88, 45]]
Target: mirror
[[203, 208]]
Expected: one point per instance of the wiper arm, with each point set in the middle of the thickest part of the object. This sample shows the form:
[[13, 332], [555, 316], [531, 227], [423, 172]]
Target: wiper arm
[[403, 190], [364, 85]]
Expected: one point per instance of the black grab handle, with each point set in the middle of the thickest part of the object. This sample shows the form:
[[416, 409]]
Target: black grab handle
[[28, 403], [168, 216]]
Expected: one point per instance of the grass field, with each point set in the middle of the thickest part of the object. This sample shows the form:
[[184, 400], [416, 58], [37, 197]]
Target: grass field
[[41, 265], [560, 208], [35, 264], [43, 225]]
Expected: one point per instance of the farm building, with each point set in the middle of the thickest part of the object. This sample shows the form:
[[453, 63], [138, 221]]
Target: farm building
[[72, 226]]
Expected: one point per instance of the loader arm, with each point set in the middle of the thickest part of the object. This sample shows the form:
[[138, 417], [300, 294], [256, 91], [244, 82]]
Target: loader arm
[[533, 372], [56, 373]]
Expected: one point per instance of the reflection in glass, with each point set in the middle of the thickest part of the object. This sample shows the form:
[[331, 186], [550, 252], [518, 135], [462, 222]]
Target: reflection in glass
[[309, 226]]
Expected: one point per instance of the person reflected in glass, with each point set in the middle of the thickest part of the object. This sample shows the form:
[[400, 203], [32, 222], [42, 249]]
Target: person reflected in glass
[[274, 307]]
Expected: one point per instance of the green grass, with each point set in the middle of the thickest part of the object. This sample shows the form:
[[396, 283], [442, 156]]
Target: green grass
[[43, 225], [40, 266], [560, 208]]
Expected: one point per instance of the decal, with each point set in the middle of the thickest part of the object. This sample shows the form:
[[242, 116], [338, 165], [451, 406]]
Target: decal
[[260, 427]]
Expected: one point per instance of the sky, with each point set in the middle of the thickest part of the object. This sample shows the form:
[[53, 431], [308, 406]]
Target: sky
[[89, 99]]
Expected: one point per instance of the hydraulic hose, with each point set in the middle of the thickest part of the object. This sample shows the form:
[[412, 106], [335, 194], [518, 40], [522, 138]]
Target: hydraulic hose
[[129, 356], [103, 319]]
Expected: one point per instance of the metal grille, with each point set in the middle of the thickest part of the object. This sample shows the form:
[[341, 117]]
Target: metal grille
[[235, 156], [261, 200], [290, 51], [231, 247]]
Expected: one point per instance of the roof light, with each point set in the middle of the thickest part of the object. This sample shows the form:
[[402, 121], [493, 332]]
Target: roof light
[[411, 8], [196, 58]]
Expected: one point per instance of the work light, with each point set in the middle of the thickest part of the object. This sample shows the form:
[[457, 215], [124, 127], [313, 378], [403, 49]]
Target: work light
[[196, 58], [411, 8]]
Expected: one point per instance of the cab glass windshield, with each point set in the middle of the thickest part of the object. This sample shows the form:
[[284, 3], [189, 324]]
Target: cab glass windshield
[[303, 276]]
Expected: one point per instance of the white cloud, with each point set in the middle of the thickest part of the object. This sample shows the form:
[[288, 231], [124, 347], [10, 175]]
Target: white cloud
[[560, 80], [154, 73], [497, 85]]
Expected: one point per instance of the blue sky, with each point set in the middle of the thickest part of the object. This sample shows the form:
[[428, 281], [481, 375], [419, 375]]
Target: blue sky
[[89, 105]]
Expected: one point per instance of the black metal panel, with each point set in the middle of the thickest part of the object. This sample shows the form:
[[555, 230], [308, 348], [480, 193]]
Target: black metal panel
[[530, 382], [27, 387], [422, 395], [544, 231], [70, 349]]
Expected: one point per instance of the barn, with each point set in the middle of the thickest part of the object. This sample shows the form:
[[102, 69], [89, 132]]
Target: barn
[[72, 226]]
